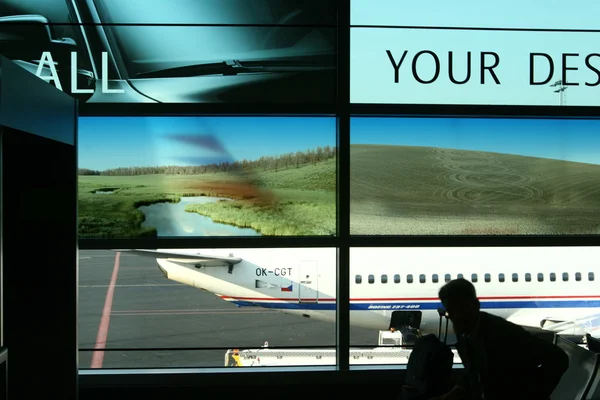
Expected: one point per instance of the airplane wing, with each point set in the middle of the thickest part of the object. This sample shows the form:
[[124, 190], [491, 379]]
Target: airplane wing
[[560, 324], [184, 257], [589, 324]]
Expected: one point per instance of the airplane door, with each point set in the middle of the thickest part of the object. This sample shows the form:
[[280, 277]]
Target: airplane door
[[309, 283]]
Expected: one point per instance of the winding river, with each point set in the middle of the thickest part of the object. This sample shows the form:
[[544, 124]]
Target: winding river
[[171, 219]]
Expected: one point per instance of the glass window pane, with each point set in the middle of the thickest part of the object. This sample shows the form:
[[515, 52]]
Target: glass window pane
[[244, 174], [455, 167], [161, 304]]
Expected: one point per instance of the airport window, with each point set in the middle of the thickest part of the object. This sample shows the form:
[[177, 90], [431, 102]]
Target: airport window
[[430, 169]]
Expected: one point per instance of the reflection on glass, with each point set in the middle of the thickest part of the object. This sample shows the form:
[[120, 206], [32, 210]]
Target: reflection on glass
[[209, 51], [255, 301], [201, 176], [221, 62], [474, 176], [396, 313]]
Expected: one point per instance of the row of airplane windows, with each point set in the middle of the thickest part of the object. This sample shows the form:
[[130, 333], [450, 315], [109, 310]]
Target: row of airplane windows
[[474, 278]]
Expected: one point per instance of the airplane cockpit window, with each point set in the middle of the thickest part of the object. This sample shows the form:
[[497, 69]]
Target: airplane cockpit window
[[565, 276], [487, 277], [528, 277], [397, 278], [540, 277], [552, 277], [422, 278], [371, 278], [358, 279], [434, 278], [384, 278], [447, 278], [578, 276], [501, 277], [409, 278], [515, 277], [590, 276], [474, 278]]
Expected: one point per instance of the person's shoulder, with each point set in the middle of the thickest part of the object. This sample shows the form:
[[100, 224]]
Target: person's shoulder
[[497, 324]]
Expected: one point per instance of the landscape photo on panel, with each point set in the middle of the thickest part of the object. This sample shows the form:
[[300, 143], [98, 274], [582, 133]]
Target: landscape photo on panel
[[206, 176], [474, 176]]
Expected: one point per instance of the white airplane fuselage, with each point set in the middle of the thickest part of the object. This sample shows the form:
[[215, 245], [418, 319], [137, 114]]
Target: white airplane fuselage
[[387, 280]]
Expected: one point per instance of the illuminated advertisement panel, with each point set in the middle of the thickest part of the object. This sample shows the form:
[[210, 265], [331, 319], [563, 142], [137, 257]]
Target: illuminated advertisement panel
[[474, 176], [468, 52], [206, 176], [183, 51]]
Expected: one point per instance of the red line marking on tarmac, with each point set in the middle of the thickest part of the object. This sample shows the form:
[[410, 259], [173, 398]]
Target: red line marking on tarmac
[[98, 356]]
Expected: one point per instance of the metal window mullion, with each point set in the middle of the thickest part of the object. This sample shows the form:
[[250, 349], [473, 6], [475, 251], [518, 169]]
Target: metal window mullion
[[343, 187]]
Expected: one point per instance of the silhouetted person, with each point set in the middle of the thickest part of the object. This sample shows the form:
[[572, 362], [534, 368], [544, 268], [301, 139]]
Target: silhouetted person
[[501, 359]]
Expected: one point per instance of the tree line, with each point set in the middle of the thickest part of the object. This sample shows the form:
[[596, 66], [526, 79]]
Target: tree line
[[264, 163]]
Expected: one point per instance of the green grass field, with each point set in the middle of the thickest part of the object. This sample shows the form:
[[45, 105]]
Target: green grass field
[[422, 190], [304, 201]]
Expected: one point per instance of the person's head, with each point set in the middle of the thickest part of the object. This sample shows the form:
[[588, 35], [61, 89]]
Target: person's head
[[460, 302]]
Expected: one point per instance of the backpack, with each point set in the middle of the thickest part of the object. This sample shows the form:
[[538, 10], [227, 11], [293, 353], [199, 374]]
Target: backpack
[[429, 368]]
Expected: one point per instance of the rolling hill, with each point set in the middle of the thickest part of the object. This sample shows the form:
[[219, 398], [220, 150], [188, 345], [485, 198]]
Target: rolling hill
[[425, 190]]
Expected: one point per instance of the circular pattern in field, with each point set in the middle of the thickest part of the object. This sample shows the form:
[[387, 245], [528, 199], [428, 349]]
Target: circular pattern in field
[[480, 177]]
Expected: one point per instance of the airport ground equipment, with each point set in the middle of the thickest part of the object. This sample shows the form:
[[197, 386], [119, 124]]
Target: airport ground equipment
[[391, 350]]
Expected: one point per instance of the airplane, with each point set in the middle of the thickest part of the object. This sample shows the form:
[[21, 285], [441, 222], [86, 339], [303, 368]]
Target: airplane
[[548, 288]]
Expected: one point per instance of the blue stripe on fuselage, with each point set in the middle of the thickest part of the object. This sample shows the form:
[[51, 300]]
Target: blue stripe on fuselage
[[407, 306]]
